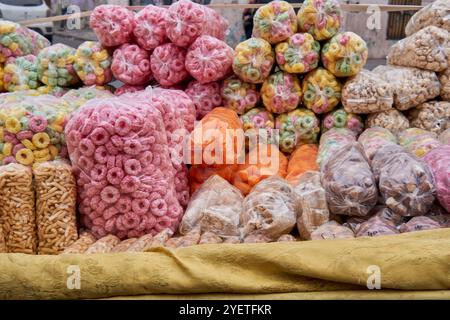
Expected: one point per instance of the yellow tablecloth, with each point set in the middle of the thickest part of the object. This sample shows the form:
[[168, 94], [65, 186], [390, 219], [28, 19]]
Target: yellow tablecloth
[[413, 266]]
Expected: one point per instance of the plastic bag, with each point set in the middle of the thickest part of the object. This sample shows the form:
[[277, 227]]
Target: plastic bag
[[406, 184], [321, 91], [426, 49], [33, 130], [372, 139], [367, 92], [198, 174], [436, 13], [210, 238], [214, 140], [21, 73], [258, 122], [126, 88], [93, 64], [167, 64], [77, 97], [381, 212], [131, 65], [419, 224], [238, 95], [300, 126], [274, 22], [392, 120], [270, 209], [331, 142], [303, 159], [375, 227], [312, 204], [350, 186], [103, 245], [444, 137], [113, 25], [320, 18], [345, 54], [433, 116], [18, 41], [85, 240], [281, 92], [17, 208], [418, 141], [332, 230], [216, 207], [205, 97], [53, 90], [438, 161], [440, 215], [124, 173], [209, 59], [256, 238], [261, 162], [339, 118], [444, 79], [411, 86], [56, 197], [55, 66], [253, 60], [188, 20], [150, 27], [286, 238], [298, 54], [124, 245]]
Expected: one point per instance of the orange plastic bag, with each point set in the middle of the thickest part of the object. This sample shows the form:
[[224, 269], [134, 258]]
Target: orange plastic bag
[[214, 140], [199, 174], [260, 163], [302, 159]]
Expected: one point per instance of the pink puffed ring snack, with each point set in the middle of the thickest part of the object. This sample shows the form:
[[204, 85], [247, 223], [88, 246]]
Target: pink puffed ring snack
[[183, 103], [150, 29], [126, 88], [209, 59], [238, 95], [188, 20], [205, 97], [126, 182], [167, 63], [131, 65], [112, 24]]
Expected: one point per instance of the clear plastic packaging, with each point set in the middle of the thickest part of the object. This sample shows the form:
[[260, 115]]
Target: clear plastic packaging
[[375, 227], [438, 161], [406, 184], [190, 239], [419, 224], [210, 238], [332, 230], [281, 92], [286, 238], [238, 95], [126, 88], [426, 49], [103, 245], [56, 197], [270, 209], [17, 208], [372, 139], [444, 79], [216, 206], [433, 116], [411, 86], [392, 120], [256, 238], [444, 137], [131, 65], [298, 54], [331, 142], [21, 73], [77, 97], [198, 174], [85, 240], [274, 22], [256, 121], [205, 97], [124, 245], [159, 239], [380, 211], [340, 118], [436, 13], [55, 66], [321, 90], [349, 183], [320, 18], [253, 60], [140, 243], [93, 64], [150, 27], [367, 92], [440, 215], [167, 64], [418, 141], [302, 160], [312, 204]]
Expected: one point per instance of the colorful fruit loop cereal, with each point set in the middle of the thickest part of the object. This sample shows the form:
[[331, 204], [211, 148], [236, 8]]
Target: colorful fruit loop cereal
[[341, 119], [238, 95], [21, 73], [55, 66], [299, 54], [54, 91], [256, 119], [438, 161], [332, 141], [93, 64], [321, 18], [77, 97], [321, 91], [167, 64], [274, 22], [17, 41], [418, 141], [126, 88], [131, 64], [33, 130], [209, 59], [297, 127], [113, 25], [281, 92], [2, 88], [345, 54], [150, 27], [205, 97], [188, 20], [253, 60], [373, 139], [125, 178]]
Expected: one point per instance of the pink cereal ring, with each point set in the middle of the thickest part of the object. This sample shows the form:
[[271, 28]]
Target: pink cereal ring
[[146, 158], [132, 146], [94, 201], [140, 194], [99, 136], [10, 137], [124, 204], [110, 194], [73, 138], [167, 64], [37, 123], [22, 135], [130, 220], [109, 213], [129, 184], [111, 148], [110, 162], [163, 223], [140, 206], [110, 225], [98, 172], [117, 141], [131, 64], [122, 126], [115, 175], [85, 163], [132, 167], [159, 207], [86, 147], [101, 155]]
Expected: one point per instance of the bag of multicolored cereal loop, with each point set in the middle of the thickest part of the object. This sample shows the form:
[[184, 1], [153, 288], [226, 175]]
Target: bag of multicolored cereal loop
[[33, 130]]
